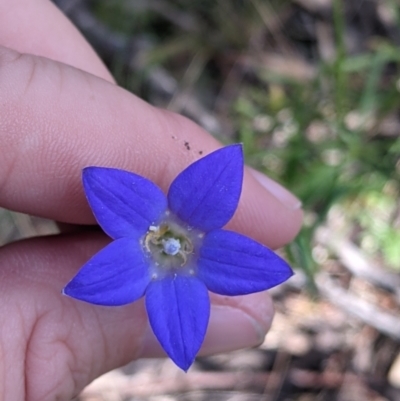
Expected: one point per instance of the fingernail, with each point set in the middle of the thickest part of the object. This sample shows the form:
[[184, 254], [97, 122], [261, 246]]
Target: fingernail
[[281, 193], [231, 329]]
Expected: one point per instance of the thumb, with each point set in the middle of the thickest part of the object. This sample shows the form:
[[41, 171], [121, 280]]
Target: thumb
[[56, 120]]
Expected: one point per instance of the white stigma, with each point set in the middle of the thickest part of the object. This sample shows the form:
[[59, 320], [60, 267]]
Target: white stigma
[[171, 246]]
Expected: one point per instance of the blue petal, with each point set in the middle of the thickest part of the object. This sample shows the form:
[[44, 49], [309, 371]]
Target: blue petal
[[178, 308], [117, 275], [124, 204], [206, 194], [232, 264]]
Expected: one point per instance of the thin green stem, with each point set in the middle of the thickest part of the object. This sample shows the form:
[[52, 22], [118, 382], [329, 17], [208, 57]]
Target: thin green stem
[[340, 74]]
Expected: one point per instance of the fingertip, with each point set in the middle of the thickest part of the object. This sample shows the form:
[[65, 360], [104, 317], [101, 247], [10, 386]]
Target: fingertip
[[232, 329], [235, 323], [287, 198], [263, 216]]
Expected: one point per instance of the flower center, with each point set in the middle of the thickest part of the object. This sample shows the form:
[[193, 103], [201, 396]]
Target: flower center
[[171, 246]]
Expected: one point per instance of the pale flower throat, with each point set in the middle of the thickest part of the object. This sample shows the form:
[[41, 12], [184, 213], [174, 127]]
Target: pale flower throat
[[172, 246]]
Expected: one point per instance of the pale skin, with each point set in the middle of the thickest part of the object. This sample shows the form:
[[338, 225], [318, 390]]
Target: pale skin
[[60, 111]]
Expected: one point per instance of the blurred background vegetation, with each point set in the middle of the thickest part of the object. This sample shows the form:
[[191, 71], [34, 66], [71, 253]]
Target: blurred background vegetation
[[312, 90]]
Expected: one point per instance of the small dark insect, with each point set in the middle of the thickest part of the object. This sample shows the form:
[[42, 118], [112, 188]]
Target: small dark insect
[[187, 145], [200, 152]]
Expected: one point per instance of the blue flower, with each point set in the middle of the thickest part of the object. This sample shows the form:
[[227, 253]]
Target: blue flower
[[172, 249]]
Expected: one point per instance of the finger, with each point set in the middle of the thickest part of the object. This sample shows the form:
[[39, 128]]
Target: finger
[[56, 120], [58, 345], [38, 27]]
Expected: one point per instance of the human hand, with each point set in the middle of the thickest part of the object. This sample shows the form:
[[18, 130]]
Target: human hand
[[55, 119]]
